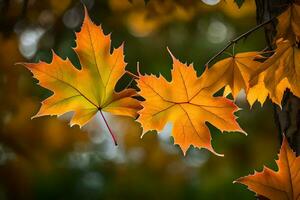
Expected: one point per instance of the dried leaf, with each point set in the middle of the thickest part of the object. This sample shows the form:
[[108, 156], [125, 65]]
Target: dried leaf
[[288, 22]]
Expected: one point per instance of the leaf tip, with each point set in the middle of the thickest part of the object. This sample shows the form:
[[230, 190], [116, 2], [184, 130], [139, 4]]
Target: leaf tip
[[142, 135], [37, 115], [214, 152], [238, 180], [218, 154], [85, 10], [20, 63], [173, 57], [53, 54]]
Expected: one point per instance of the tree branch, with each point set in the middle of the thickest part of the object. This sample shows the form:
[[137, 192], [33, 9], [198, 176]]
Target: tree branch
[[234, 41]]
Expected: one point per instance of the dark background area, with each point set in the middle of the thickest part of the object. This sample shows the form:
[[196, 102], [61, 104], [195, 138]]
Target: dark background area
[[46, 159]]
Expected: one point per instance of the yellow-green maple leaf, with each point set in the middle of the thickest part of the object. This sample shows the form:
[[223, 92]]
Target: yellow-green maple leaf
[[90, 89]]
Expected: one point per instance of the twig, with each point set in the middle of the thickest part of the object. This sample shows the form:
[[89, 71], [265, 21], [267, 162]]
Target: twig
[[234, 41]]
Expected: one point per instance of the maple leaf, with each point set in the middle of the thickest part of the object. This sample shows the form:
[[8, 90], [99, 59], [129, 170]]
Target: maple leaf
[[234, 72], [281, 71], [188, 103], [91, 89], [288, 22], [281, 185], [259, 92]]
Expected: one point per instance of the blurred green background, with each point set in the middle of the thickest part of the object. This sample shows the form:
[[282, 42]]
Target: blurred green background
[[46, 159]]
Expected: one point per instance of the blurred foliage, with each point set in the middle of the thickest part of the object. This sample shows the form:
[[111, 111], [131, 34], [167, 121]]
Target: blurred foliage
[[46, 159], [239, 2]]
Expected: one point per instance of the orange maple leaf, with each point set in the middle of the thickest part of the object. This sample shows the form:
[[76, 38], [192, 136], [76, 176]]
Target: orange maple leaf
[[273, 77], [234, 72], [281, 71], [281, 185], [288, 22], [188, 103], [91, 89], [258, 92]]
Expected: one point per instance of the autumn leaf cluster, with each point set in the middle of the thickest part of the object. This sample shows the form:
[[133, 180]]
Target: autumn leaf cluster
[[187, 101]]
